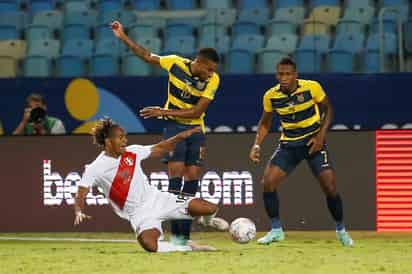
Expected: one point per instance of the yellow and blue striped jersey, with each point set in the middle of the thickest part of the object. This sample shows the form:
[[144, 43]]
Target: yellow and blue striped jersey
[[298, 111], [185, 90]]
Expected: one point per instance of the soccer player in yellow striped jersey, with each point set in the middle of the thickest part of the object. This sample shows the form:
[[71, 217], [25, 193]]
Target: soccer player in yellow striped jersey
[[297, 103], [192, 86]]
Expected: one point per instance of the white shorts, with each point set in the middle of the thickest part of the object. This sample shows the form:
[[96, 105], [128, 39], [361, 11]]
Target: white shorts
[[162, 206]]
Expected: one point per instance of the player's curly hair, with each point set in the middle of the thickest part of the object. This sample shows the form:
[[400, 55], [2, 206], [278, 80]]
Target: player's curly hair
[[102, 130]]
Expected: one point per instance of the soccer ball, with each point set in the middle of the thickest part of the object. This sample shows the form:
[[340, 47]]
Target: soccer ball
[[242, 230]]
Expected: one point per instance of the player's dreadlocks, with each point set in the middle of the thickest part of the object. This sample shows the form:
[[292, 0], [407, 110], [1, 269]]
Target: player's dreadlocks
[[102, 130]]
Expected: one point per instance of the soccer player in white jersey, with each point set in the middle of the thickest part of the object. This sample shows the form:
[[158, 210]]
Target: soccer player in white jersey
[[117, 171]]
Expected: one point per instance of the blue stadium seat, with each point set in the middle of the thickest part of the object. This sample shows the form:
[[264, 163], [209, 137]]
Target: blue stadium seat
[[104, 65], [389, 26], [37, 66], [285, 43], [216, 4], [88, 18], [18, 19], [76, 31], [239, 61], [245, 27], [387, 3], [350, 26], [221, 44], [362, 14], [154, 44], [289, 3], [70, 66], [41, 5], [339, 60], [371, 62], [371, 59], [76, 6], [127, 17], [141, 30], [224, 17], [104, 31], [49, 48], [318, 3], [8, 6], [318, 43], [359, 3], [308, 60], [349, 42], [181, 4], [408, 35], [107, 47], [133, 66], [390, 43], [252, 43], [157, 22], [80, 48], [105, 18], [51, 19], [281, 26], [184, 45], [178, 29], [147, 4], [8, 32], [37, 32], [210, 31], [109, 5], [258, 15], [252, 4], [267, 60], [291, 14]]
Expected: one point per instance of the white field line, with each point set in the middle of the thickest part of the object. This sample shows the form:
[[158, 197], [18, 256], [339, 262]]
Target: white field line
[[48, 239]]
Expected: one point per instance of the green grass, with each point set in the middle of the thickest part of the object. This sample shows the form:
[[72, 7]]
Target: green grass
[[301, 253]]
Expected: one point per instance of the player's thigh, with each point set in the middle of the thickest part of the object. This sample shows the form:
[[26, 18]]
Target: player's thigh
[[322, 168], [170, 206], [199, 207], [179, 153], [148, 239], [196, 150]]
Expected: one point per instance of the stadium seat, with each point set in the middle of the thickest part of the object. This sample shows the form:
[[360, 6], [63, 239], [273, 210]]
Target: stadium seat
[[289, 3], [105, 18], [389, 26], [141, 30], [316, 27], [259, 16], [245, 27], [8, 67], [371, 59], [239, 61], [362, 14], [104, 31], [221, 44], [70, 66], [390, 43], [127, 17], [157, 22], [37, 32], [340, 61], [371, 62], [41, 5], [267, 60], [76, 6], [216, 4], [350, 26], [408, 35], [308, 60], [147, 4], [291, 14], [8, 6], [252, 43], [52, 19], [224, 17], [18, 19], [320, 3], [359, 3], [154, 44], [210, 31], [88, 18], [37, 66], [281, 26], [350, 42], [8, 32], [184, 45], [80, 48], [318, 43], [132, 66], [13, 48], [178, 29], [109, 5], [181, 4], [326, 14], [109, 46], [253, 4], [76, 31], [285, 43], [104, 65], [48, 48]]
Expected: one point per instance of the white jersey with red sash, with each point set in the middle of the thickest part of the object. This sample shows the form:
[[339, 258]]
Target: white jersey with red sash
[[121, 179]]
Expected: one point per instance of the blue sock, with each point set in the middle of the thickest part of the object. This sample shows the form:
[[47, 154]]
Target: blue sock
[[189, 189], [335, 207], [175, 184], [271, 201]]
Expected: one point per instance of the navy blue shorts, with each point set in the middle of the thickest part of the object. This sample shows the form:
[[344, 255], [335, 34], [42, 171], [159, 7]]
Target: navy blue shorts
[[190, 151], [288, 157]]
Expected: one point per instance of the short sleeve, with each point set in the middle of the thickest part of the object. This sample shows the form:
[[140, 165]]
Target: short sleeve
[[88, 179], [166, 62], [211, 88], [267, 104], [142, 152], [318, 94]]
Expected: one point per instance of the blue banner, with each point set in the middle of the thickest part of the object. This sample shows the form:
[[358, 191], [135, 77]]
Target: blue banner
[[361, 102]]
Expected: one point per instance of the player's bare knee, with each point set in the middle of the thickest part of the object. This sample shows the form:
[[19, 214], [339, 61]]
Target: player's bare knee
[[148, 244]]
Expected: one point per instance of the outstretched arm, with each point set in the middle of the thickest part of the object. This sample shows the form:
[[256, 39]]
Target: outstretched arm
[[140, 51], [79, 216], [263, 129], [168, 145], [191, 113]]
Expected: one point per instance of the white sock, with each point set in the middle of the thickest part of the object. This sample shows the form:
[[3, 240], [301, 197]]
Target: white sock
[[169, 247]]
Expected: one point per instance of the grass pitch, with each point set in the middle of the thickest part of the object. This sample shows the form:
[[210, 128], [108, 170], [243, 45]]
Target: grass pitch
[[301, 253]]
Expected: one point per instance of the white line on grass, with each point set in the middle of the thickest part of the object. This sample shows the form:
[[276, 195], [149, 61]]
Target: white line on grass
[[48, 239]]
